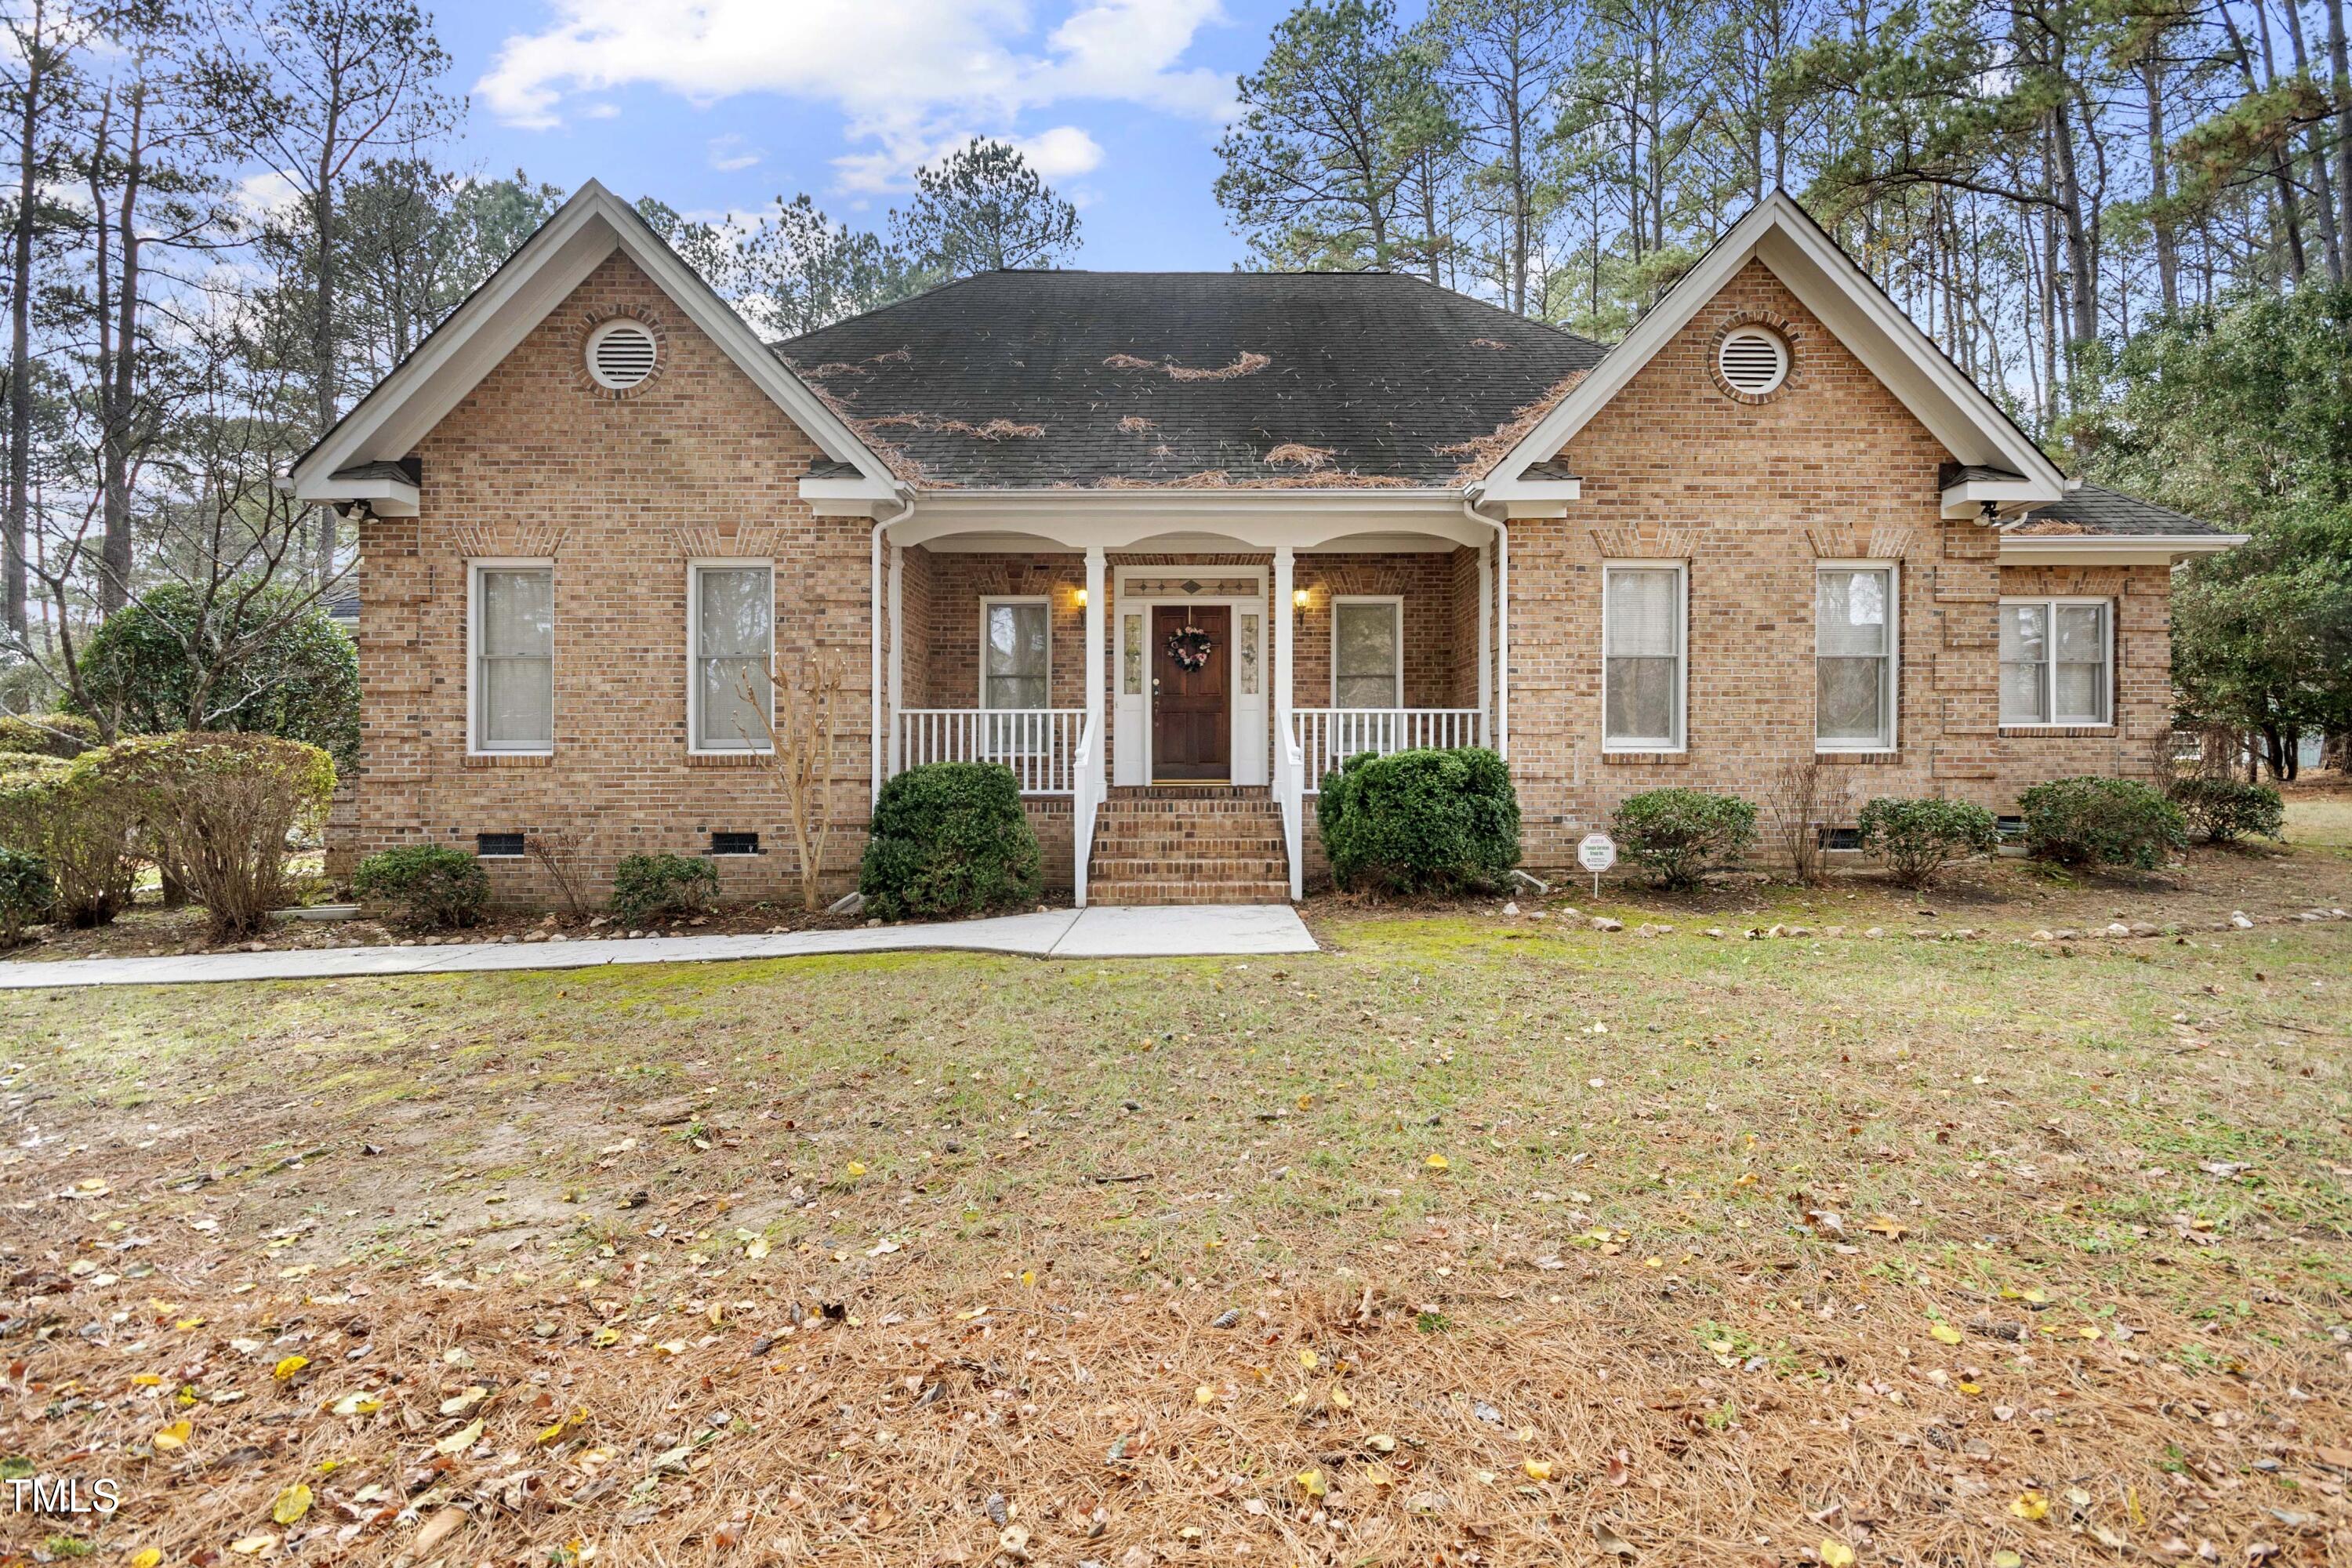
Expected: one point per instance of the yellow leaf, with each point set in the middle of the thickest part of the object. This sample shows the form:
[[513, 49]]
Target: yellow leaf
[[857, 1169], [1965, 1386], [472, 1396], [1306, 1103], [1311, 1483], [1944, 1334], [603, 1338], [149, 1557], [1836, 1554], [1487, 1478], [1887, 1226], [756, 1248], [2088, 1331], [175, 1436], [1438, 1162], [145, 1380], [1653, 1263], [463, 1438], [292, 1504], [1309, 1359], [1379, 1475], [252, 1545], [1205, 1394], [358, 1404], [1028, 1277], [289, 1367], [2005, 1558], [2030, 1505], [1340, 1400], [1537, 1469]]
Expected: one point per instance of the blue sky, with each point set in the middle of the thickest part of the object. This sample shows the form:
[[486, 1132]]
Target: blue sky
[[721, 105]]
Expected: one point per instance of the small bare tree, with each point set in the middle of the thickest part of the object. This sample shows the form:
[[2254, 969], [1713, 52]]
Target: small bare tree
[[557, 850], [802, 724], [1805, 797]]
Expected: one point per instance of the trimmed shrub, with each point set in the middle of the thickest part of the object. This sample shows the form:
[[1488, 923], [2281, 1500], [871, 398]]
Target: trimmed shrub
[[2101, 822], [27, 894], [1677, 834], [216, 810], [950, 838], [2221, 810], [66, 735], [1917, 838], [1420, 821], [78, 818], [648, 885], [428, 885]]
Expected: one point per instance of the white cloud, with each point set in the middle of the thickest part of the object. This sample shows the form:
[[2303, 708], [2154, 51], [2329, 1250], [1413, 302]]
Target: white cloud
[[728, 154], [1062, 153], [908, 75]]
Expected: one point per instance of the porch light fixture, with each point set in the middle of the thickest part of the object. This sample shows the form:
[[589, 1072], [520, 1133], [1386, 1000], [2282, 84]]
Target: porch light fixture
[[1298, 598], [1079, 597]]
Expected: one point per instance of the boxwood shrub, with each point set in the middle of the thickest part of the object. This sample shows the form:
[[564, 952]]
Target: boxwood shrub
[[63, 735], [645, 886], [77, 817], [2221, 810], [1430, 820], [1917, 838], [27, 894], [429, 885], [950, 838], [2101, 822], [214, 812], [1677, 834]]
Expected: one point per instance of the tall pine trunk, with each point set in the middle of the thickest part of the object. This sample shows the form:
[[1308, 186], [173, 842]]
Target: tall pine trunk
[[20, 324]]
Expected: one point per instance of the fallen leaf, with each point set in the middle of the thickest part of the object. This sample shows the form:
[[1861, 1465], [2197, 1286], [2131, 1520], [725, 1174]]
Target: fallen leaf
[[463, 1438], [856, 1168], [465, 1401], [1887, 1226], [149, 1557], [1537, 1469], [286, 1369], [292, 1504], [1836, 1553], [175, 1436], [2005, 1558], [1438, 1162], [437, 1528], [756, 1248], [253, 1545], [1311, 1482], [1609, 1539], [1944, 1334], [2030, 1505]]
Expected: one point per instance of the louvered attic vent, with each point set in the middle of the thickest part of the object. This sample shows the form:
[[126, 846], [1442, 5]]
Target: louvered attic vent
[[620, 355], [1753, 360]]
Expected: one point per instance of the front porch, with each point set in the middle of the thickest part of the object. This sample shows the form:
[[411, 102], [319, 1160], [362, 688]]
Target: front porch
[[1169, 701]]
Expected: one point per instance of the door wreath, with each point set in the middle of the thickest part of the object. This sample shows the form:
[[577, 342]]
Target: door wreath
[[1189, 647]]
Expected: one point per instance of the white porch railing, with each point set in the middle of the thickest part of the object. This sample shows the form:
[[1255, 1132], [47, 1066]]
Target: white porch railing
[[1039, 745], [1329, 736]]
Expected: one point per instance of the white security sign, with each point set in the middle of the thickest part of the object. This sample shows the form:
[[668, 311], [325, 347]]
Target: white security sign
[[1597, 853]]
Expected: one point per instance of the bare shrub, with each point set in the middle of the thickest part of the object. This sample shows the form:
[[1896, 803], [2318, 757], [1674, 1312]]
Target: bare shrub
[[557, 852], [802, 725], [218, 810], [1806, 797]]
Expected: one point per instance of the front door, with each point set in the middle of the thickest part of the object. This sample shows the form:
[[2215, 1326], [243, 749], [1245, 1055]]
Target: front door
[[1191, 730]]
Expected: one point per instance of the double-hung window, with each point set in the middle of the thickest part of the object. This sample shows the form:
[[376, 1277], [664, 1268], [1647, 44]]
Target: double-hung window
[[1642, 650], [1854, 658], [1367, 653], [511, 691], [1016, 672], [2057, 661], [731, 612]]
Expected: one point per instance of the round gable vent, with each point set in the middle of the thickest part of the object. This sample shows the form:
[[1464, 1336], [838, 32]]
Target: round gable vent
[[1753, 360], [621, 354]]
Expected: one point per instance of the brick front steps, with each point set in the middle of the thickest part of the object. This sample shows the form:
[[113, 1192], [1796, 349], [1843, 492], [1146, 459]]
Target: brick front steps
[[1189, 843]]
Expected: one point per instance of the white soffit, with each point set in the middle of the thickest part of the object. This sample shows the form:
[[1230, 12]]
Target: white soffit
[[1777, 232], [420, 392]]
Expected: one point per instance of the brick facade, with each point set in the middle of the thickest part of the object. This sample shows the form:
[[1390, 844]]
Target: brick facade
[[622, 492]]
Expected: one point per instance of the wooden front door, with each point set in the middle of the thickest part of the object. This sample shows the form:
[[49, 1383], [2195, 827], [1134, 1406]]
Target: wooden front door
[[1191, 728]]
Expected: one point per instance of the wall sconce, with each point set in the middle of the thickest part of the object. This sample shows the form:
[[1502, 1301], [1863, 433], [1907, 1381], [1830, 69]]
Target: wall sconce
[[1298, 598], [1079, 597]]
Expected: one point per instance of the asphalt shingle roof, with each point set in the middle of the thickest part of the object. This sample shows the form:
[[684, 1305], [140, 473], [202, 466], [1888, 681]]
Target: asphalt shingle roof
[[1018, 380], [2092, 509]]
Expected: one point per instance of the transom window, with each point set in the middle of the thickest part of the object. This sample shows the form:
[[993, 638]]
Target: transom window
[[1367, 653], [732, 607], [1643, 644], [2057, 661], [513, 633], [1854, 658]]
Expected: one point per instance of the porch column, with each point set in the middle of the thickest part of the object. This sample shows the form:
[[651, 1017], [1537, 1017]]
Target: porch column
[[897, 652], [1486, 643], [1288, 786], [1097, 617]]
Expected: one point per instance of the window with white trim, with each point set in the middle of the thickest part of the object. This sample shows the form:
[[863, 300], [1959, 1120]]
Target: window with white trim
[[1367, 653], [1016, 673], [733, 637], [1854, 658], [1642, 656], [2057, 661], [513, 633]]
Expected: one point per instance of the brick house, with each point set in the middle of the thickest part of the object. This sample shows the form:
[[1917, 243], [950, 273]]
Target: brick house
[[1171, 545]]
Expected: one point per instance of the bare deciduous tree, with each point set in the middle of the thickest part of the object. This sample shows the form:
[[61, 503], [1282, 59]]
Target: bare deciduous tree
[[803, 725]]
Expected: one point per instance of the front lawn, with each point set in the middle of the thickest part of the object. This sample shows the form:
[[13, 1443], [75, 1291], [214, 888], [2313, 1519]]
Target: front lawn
[[1472, 1240]]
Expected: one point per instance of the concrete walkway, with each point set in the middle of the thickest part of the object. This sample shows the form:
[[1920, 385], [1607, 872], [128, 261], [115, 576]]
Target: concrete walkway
[[1196, 931]]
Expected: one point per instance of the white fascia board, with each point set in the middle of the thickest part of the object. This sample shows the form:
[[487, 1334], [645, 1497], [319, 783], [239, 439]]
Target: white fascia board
[[1852, 307], [398, 413], [2111, 549], [1532, 498], [1967, 498], [385, 498], [860, 496]]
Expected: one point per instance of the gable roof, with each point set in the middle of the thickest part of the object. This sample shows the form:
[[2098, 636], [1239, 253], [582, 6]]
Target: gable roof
[[1117, 380], [1803, 255], [2096, 509], [350, 461]]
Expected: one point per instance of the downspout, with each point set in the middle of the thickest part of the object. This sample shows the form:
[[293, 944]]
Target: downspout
[[905, 506], [1502, 611]]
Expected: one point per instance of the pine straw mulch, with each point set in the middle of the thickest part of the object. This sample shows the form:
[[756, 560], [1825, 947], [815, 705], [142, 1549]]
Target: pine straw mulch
[[1584, 1408]]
